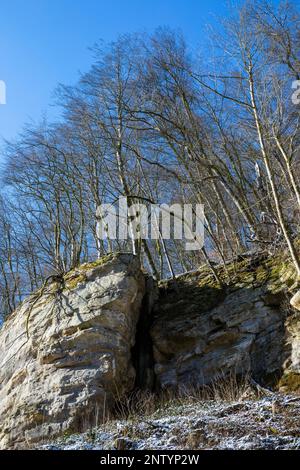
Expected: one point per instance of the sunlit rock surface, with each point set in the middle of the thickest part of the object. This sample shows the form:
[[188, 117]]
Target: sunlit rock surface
[[85, 341], [76, 358]]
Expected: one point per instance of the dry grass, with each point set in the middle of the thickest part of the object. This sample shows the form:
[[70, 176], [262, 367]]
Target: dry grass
[[141, 404]]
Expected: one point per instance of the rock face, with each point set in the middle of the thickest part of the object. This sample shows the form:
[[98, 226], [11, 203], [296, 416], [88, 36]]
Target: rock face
[[76, 358], [290, 381], [202, 332], [295, 300], [81, 342], [268, 423]]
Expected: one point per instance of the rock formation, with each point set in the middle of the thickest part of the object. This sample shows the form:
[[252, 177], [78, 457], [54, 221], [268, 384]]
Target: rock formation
[[194, 343], [81, 342], [201, 332], [77, 356], [290, 380]]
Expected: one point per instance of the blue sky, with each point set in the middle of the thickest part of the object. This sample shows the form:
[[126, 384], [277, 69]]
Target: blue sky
[[45, 42]]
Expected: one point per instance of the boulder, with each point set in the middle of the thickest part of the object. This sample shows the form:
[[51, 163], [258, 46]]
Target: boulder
[[65, 353]]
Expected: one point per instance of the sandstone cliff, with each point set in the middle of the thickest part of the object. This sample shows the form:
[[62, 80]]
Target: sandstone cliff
[[202, 330], [81, 343], [77, 356]]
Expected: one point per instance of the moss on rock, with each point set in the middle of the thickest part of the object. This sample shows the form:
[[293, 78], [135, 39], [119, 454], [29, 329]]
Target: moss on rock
[[78, 276]]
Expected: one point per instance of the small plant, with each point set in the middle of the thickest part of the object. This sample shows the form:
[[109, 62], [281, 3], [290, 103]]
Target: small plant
[[136, 405]]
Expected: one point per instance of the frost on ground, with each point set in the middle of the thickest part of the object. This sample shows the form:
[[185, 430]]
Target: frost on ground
[[272, 422]]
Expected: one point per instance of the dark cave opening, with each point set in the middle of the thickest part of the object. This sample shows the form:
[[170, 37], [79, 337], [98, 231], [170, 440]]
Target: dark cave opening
[[142, 351]]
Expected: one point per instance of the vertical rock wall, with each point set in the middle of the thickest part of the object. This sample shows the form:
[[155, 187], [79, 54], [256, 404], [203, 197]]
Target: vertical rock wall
[[77, 357]]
